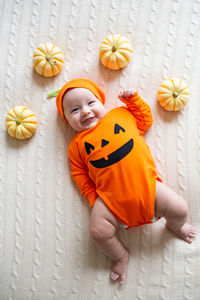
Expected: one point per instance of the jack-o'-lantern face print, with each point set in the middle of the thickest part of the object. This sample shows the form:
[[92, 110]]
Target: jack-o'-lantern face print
[[116, 155]]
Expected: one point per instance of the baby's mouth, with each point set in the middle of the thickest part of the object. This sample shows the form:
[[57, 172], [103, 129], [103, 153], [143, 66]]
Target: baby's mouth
[[88, 120]]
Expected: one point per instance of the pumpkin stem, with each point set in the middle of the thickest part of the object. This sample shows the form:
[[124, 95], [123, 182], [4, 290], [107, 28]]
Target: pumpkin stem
[[175, 94], [17, 121], [53, 93], [114, 49], [52, 62]]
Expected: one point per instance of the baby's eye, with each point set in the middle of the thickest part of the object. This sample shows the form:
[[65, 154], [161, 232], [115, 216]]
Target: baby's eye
[[74, 109], [91, 102]]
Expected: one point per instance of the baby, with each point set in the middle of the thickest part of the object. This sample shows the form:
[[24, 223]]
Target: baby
[[113, 168]]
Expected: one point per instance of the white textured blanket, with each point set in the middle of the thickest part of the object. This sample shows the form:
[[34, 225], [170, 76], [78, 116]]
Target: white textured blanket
[[45, 249]]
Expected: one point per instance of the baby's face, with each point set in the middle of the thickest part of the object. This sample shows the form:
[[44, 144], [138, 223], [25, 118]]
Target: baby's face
[[82, 109]]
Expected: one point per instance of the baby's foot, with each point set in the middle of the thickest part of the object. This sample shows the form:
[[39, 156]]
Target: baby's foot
[[120, 269], [187, 232]]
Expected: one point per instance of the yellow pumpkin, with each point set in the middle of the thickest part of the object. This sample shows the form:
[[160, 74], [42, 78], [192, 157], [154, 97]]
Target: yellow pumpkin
[[115, 52], [173, 94], [21, 122], [48, 60]]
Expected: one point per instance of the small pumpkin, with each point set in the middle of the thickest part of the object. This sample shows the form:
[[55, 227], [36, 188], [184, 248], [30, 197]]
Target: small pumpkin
[[115, 52], [48, 60], [173, 94], [21, 122]]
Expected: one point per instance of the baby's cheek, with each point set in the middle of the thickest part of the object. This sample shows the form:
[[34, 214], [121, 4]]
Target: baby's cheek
[[73, 123], [66, 115], [102, 112]]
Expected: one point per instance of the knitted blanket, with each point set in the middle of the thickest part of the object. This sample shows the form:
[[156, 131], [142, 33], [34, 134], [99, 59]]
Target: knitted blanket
[[45, 248]]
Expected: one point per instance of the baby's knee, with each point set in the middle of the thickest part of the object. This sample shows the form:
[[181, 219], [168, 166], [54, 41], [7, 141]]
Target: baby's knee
[[101, 230], [183, 211]]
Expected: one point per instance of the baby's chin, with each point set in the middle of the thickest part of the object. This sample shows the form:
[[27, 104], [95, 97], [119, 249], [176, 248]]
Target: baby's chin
[[90, 125]]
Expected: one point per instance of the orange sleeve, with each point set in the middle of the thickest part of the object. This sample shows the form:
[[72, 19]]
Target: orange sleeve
[[141, 111], [80, 175]]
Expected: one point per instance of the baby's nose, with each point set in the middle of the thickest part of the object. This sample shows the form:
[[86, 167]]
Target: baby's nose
[[85, 110]]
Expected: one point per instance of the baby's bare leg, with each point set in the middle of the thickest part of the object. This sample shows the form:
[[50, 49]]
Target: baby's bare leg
[[102, 229], [174, 208]]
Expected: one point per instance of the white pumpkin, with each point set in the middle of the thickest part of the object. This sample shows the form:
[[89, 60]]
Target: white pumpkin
[[115, 52], [48, 60], [173, 94], [21, 122]]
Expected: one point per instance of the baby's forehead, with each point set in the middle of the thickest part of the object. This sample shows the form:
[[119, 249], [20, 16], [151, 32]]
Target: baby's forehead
[[77, 91], [76, 94]]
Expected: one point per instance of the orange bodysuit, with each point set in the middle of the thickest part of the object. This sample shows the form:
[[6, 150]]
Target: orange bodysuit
[[112, 161]]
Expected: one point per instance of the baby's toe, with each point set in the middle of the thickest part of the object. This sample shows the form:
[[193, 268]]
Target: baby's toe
[[192, 234], [188, 240], [193, 231], [114, 276], [122, 279]]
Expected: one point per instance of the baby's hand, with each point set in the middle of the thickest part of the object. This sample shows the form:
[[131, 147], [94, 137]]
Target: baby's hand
[[126, 94]]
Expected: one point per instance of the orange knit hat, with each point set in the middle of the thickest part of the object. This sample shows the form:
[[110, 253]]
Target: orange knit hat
[[78, 83]]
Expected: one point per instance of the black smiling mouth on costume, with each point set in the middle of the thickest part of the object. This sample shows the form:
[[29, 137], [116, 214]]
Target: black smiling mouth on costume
[[113, 157]]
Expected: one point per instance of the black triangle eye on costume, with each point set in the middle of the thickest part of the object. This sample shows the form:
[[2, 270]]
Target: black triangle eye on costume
[[88, 147], [118, 128], [104, 143]]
